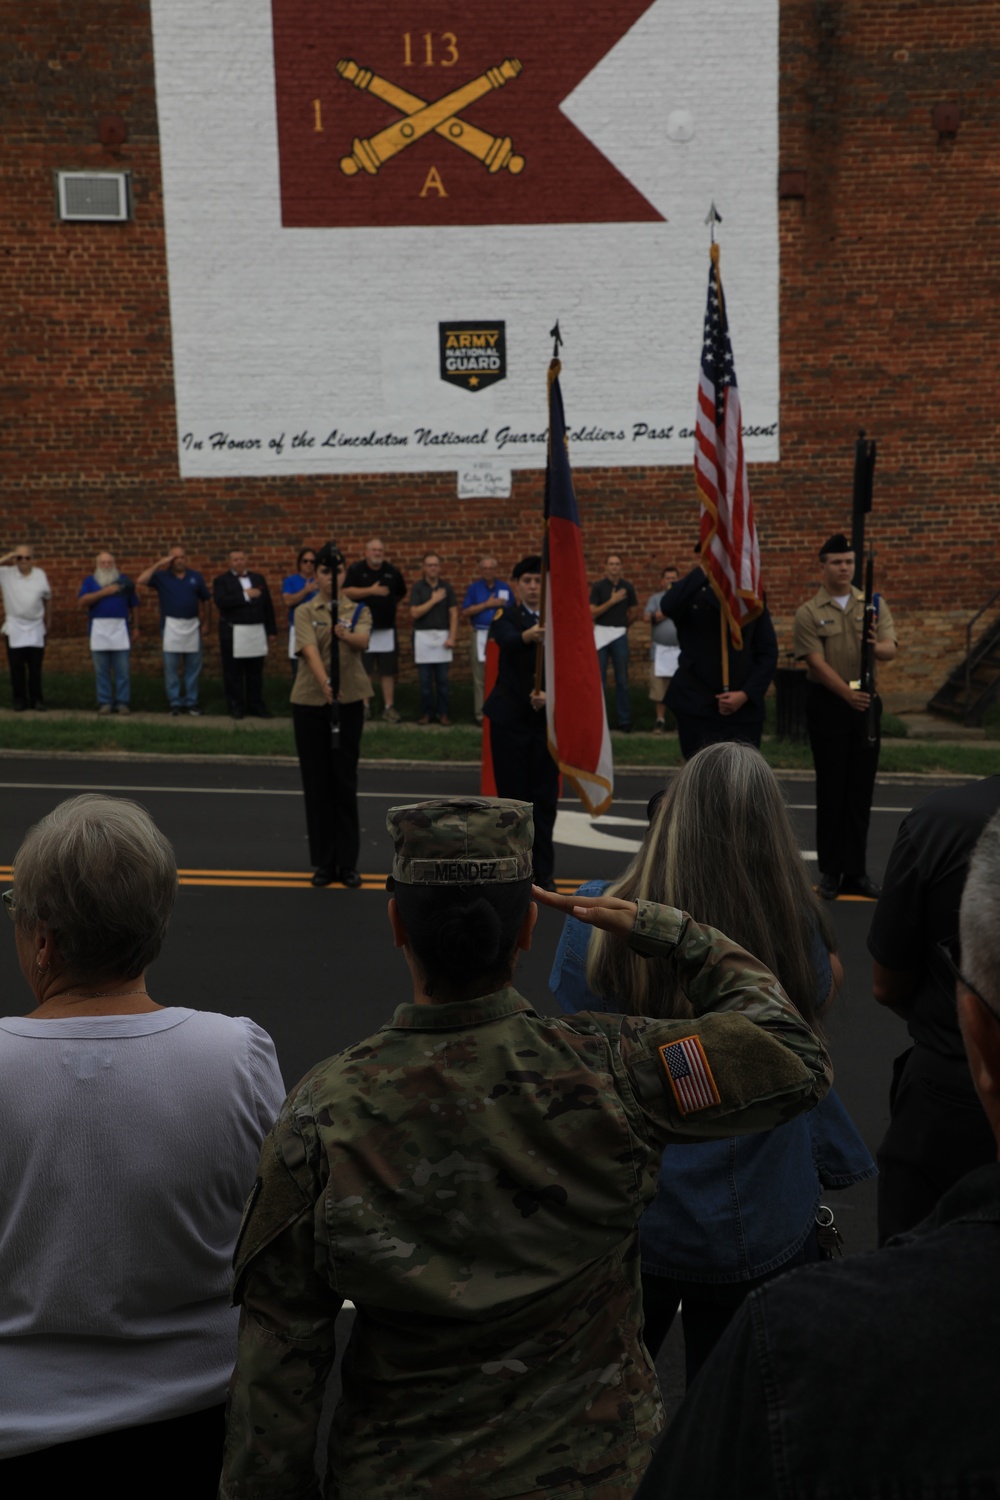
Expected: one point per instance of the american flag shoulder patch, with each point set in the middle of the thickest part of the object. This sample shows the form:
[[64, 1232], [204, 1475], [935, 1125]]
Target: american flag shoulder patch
[[690, 1076]]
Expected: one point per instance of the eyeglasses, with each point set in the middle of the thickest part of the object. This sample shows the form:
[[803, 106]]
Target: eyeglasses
[[8, 903], [309, 559], [944, 953], [22, 556]]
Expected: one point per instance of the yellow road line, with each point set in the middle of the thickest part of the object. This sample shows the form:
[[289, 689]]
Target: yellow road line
[[301, 880]]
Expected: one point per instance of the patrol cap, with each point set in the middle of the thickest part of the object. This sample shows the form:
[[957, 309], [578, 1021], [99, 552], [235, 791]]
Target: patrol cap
[[838, 543], [530, 564], [461, 841]]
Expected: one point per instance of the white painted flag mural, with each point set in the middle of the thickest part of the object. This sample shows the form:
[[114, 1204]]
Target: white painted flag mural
[[376, 212]]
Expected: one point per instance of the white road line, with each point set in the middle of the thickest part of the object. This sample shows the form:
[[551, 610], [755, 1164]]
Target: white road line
[[579, 830], [264, 791]]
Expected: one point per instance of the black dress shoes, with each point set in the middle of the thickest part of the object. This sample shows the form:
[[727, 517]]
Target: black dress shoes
[[861, 885], [350, 878], [829, 887]]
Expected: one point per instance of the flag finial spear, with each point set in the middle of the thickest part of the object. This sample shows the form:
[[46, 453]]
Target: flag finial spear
[[713, 218], [557, 336]]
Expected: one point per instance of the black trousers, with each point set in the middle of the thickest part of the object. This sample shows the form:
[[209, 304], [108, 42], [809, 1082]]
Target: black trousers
[[845, 780], [524, 769], [330, 783], [938, 1131], [695, 731], [707, 1307], [25, 662], [181, 1456], [242, 677]]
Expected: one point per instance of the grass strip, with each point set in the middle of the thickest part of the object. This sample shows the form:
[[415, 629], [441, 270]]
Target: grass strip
[[88, 734]]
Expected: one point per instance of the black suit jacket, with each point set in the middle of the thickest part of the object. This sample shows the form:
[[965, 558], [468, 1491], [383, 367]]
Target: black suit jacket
[[509, 704], [235, 610], [694, 609]]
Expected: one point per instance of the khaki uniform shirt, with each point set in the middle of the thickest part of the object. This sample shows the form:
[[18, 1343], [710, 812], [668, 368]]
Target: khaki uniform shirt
[[312, 628], [821, 625], [471, 1177]]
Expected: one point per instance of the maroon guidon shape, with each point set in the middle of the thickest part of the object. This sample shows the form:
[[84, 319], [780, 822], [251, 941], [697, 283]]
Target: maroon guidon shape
[[360, 141]]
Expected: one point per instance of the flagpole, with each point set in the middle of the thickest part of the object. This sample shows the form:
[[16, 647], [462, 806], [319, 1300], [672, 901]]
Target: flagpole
[[724, 623], [542, 601], [553, 374]]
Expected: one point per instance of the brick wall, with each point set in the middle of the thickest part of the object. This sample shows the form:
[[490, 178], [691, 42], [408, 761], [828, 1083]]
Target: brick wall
[[888, 305]]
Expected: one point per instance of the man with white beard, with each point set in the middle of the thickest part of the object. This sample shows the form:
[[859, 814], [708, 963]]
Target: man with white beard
[[111, 601]]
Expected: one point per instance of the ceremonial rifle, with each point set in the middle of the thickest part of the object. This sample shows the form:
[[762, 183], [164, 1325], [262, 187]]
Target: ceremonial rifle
[[864, 474], [868, 648]]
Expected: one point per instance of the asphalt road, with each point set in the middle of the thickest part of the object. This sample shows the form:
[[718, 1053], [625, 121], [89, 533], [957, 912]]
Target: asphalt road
[[316, 968]]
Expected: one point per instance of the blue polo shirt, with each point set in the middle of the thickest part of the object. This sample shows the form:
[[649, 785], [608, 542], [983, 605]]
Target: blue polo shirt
[[179, 596], [292, 584], [113, 606], [478, 593]]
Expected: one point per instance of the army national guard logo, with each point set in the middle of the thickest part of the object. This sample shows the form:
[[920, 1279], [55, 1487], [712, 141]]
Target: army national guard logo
[[473, 355]]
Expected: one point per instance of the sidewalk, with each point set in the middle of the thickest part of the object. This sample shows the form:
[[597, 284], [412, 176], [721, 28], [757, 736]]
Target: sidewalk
[[927, 727]]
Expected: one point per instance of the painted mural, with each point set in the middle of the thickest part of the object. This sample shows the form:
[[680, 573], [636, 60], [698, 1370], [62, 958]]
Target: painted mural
[[376, 213]]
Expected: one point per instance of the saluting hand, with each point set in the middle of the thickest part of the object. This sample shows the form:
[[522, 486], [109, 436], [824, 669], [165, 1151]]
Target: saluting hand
[[607, 912]]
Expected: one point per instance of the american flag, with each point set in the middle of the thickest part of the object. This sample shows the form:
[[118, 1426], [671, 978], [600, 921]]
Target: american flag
[[729, 551], [689, 1074]]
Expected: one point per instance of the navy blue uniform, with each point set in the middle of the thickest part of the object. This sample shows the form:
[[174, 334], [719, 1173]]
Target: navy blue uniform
[[522, 765], [694, 609]]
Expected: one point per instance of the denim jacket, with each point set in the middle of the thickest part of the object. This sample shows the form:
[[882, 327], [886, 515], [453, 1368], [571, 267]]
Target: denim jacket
[[739, 1208]]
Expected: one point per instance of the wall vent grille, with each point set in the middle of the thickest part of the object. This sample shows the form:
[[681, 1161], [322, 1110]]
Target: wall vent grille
[[100, 196]]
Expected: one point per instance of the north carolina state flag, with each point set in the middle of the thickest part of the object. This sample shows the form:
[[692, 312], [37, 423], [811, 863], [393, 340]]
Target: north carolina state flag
[[574, 694], [363, 138]]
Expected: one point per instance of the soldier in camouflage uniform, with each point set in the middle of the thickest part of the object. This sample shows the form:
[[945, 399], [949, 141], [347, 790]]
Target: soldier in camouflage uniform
[[471, 1178]]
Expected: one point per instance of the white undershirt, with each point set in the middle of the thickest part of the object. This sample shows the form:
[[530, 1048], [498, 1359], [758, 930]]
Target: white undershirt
[[842, 600]]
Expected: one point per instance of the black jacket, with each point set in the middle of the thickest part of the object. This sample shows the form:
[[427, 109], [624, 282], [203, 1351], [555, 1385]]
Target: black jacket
[[509, 704], [235, 610], [870, 1377], [694, 609]]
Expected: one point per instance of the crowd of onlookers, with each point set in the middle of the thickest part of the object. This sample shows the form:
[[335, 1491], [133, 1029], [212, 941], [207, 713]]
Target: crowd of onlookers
[[484, 1182], [443, 622]]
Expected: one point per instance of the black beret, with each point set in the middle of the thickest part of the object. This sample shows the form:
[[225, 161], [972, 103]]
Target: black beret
[[838, 543], [529, 564]]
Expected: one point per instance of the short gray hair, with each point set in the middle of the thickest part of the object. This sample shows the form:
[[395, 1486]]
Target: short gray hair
[[100, 873], [979, 916]]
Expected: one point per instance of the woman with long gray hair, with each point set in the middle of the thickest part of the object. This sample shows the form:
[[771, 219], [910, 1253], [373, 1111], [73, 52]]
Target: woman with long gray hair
[[131, 1132], [728, 1214]]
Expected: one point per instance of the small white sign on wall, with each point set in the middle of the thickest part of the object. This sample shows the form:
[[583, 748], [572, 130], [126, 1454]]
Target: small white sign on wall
[[484, 479]]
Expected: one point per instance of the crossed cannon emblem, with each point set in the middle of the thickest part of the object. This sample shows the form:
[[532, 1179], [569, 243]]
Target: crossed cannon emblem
[[420, 118]]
